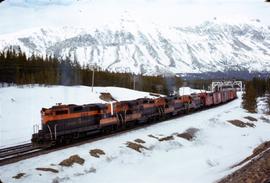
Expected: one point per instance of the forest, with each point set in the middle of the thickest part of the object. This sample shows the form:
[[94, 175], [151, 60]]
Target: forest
[[254, 89], [17, 68]]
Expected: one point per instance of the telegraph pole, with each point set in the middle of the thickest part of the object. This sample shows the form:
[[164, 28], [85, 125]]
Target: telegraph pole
[[133, 81], [93, 79]]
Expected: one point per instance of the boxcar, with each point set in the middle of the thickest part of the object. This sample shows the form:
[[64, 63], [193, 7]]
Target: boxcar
[[217, 98]]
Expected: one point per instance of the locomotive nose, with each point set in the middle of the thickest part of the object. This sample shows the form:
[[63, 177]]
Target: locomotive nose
[[40, 140]]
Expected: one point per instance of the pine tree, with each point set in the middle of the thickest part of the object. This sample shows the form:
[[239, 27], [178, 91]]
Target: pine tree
[[15, 67], [249, 98]]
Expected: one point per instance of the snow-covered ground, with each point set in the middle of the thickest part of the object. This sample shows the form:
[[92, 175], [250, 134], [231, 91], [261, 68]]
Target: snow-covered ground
[[262, 106], [217, 145]]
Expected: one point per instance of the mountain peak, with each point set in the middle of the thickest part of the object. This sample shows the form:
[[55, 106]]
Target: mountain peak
[[153, 49]]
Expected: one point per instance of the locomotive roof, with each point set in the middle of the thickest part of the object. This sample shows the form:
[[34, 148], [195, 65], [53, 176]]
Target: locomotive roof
[[99, 105]]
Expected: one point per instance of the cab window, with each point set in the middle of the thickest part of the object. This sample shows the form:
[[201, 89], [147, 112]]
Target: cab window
[[61, 112]]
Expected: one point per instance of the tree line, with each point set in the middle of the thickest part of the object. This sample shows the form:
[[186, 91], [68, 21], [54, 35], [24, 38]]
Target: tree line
[[257, 87], [17, 68]]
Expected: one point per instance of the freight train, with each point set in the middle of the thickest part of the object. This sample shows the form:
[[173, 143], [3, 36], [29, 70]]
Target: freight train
[[65, 123]]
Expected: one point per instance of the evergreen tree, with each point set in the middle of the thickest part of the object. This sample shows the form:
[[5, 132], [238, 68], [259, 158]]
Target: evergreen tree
[[249, 98], [15, 67]]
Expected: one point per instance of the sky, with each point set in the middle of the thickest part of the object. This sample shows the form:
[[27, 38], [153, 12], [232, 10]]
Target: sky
[[17, 15]]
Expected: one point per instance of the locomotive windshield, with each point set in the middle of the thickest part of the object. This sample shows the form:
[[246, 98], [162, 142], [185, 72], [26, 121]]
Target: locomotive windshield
[[61, 112]]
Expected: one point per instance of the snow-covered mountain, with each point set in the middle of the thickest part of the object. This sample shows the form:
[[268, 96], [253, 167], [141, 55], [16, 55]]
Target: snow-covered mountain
[[143, 36], [129, 47]]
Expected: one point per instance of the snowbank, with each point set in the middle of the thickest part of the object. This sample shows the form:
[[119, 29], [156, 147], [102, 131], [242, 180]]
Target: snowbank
[[262, 106]]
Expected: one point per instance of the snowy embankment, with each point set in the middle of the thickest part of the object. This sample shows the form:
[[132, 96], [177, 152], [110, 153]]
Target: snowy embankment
[[20, 107], [262, 106], [215, 147]]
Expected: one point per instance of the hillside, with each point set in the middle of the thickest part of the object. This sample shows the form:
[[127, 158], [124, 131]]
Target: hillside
[[201, 146], [207, 47]]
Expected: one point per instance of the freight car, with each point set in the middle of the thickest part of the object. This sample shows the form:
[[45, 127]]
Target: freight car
[[64, 123]]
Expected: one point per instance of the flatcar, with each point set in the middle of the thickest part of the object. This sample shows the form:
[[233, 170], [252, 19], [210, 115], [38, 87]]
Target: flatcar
[[64, 123]]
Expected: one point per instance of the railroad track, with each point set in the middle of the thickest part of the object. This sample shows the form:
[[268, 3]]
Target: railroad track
[[11, 154], [25, 151], [14, 148]]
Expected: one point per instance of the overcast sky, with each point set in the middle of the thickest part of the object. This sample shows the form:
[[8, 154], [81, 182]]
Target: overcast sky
[[17, 15]]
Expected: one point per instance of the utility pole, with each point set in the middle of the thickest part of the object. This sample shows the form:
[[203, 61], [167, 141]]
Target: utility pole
[[133, 81], [93, 79]]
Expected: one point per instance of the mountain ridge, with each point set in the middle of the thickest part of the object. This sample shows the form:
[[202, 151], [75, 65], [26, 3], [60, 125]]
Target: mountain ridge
[[153, 49]]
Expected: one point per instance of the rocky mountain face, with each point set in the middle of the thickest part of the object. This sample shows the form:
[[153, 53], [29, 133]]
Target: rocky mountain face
[[153, 49]]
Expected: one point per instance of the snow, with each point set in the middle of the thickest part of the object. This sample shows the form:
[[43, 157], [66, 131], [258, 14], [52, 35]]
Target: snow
[[20, 107], [218, 145], [188, 91], [153, 49], [262, 106]]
